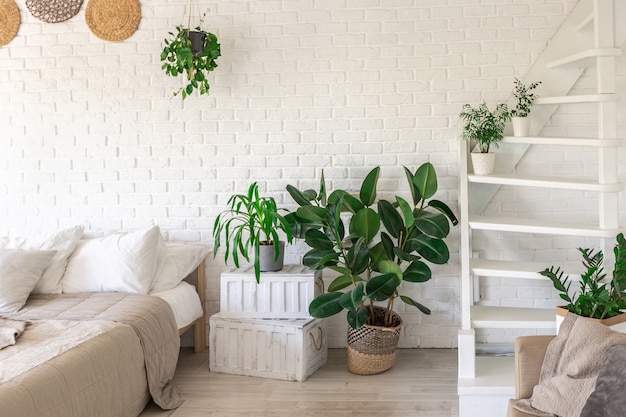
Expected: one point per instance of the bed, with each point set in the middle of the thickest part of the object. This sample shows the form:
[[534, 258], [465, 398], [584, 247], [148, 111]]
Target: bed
[[99, 353]]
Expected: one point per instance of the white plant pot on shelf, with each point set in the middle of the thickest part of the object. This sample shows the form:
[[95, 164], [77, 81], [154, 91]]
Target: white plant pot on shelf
[[521, 126], [483, 163]]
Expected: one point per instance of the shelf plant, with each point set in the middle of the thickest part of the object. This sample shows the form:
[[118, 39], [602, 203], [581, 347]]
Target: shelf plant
[[596, 297], [524, 99], [373, 245], [182, 58], [249, 227], [486, 128]]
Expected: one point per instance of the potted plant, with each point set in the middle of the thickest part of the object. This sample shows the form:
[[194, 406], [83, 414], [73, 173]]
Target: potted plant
[[250, 228], [524, 100], [596, 297], [486, 127], [191, 54], [384, 244]]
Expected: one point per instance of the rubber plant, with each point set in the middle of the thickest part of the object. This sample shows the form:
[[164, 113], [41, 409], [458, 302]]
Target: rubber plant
[[384, 243], [179, 60], [249, 222], [596, 297]]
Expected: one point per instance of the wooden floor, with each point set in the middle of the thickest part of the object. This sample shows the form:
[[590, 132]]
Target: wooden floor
[[423, 383]]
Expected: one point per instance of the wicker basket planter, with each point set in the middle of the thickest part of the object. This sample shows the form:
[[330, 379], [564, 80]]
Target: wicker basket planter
[[373, 349]]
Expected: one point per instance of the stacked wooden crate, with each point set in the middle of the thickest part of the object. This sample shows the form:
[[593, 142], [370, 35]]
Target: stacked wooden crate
[[264, 329]]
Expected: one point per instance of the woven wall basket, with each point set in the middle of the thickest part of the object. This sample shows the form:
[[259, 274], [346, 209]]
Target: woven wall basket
[[373, 349], [113, 20], [54, 11], [9, 21]]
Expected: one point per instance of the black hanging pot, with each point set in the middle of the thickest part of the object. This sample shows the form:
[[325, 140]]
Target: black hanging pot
[[197, 41]]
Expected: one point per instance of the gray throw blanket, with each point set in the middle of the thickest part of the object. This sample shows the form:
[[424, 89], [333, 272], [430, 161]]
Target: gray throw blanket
[[570, 368], [10, 330]]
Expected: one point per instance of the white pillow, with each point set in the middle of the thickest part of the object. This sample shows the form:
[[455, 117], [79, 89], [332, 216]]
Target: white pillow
[[119, 262], [19, 272], [63, 242], [181, 260]]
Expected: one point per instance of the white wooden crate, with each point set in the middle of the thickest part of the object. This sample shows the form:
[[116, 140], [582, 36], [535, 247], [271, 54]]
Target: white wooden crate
[[280, 294], [287, 349]]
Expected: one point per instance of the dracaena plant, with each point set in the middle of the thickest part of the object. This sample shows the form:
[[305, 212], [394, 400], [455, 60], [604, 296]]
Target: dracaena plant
[[596, 297], [250, 221], [373, 245]]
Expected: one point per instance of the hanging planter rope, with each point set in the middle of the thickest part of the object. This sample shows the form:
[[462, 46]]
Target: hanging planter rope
[[9, 21], [113, 20], [53, 11]]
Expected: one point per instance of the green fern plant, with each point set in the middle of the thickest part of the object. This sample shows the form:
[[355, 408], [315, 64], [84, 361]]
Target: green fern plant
[[596, 297]]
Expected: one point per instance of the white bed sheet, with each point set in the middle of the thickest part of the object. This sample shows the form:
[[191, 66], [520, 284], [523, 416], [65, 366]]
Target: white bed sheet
[[184, 301]]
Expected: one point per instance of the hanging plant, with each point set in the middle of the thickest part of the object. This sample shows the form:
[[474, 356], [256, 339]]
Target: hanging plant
[[192, 60]]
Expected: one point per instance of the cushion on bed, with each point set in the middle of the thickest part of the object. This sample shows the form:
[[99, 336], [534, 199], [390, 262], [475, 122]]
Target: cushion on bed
[[119, 262], [181, 260], [19, 272], [63, 242]]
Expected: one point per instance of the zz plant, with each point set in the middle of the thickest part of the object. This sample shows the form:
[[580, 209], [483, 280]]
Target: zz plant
[[249, 222], [384, 243], [596, 298], [179, 60]]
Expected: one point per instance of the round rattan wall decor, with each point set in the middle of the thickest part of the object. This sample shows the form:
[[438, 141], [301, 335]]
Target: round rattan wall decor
[[9, 21], [113, 20], [54, 11]]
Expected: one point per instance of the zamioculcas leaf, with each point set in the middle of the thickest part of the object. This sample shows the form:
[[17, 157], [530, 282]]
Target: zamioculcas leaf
[[325, 305], [414, 303], [417, 271], [391, 218], [433, 250], [365, 223], [358, 318], [368, 188], [381, 287], [351, 300], [425, 180], [433, 224]]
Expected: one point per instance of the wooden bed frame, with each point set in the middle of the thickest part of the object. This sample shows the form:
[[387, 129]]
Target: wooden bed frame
[[197, 279]]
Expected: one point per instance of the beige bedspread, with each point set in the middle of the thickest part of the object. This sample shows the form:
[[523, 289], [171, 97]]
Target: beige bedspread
[[148, 319]]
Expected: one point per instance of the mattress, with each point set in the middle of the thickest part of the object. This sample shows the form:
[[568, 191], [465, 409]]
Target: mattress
[[185, 303]]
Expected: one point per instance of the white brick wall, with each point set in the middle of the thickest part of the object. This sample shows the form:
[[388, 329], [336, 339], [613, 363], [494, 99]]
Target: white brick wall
[[91, 134]]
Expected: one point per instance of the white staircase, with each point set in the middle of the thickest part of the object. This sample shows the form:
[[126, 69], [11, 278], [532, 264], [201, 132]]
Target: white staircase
[[589, 37]]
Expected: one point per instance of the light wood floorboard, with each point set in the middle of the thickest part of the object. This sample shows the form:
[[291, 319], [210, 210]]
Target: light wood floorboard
[[423, 383]]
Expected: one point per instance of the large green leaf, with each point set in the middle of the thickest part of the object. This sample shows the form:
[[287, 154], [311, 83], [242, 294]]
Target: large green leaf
[[377, 254], [341, 282], [365, 223], [425, 180], [433, 224], [415, 195], [433, 250], [351, 300], [358, 318], [312, 213], [414, 303], [357, 257], [381, 287], [390, 267], [407, 211], [406, 256], [417, 271], [388, 245], [299, 197], [368, 188], [319, 258], [325, 305], [318, 240], [443, 207], [390, 218]]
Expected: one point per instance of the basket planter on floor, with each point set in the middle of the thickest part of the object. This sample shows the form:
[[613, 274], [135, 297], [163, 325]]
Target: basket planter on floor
[[373, 349]]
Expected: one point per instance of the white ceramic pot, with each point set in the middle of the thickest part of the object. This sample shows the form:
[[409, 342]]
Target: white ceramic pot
[[521, 126], [483, 163]]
